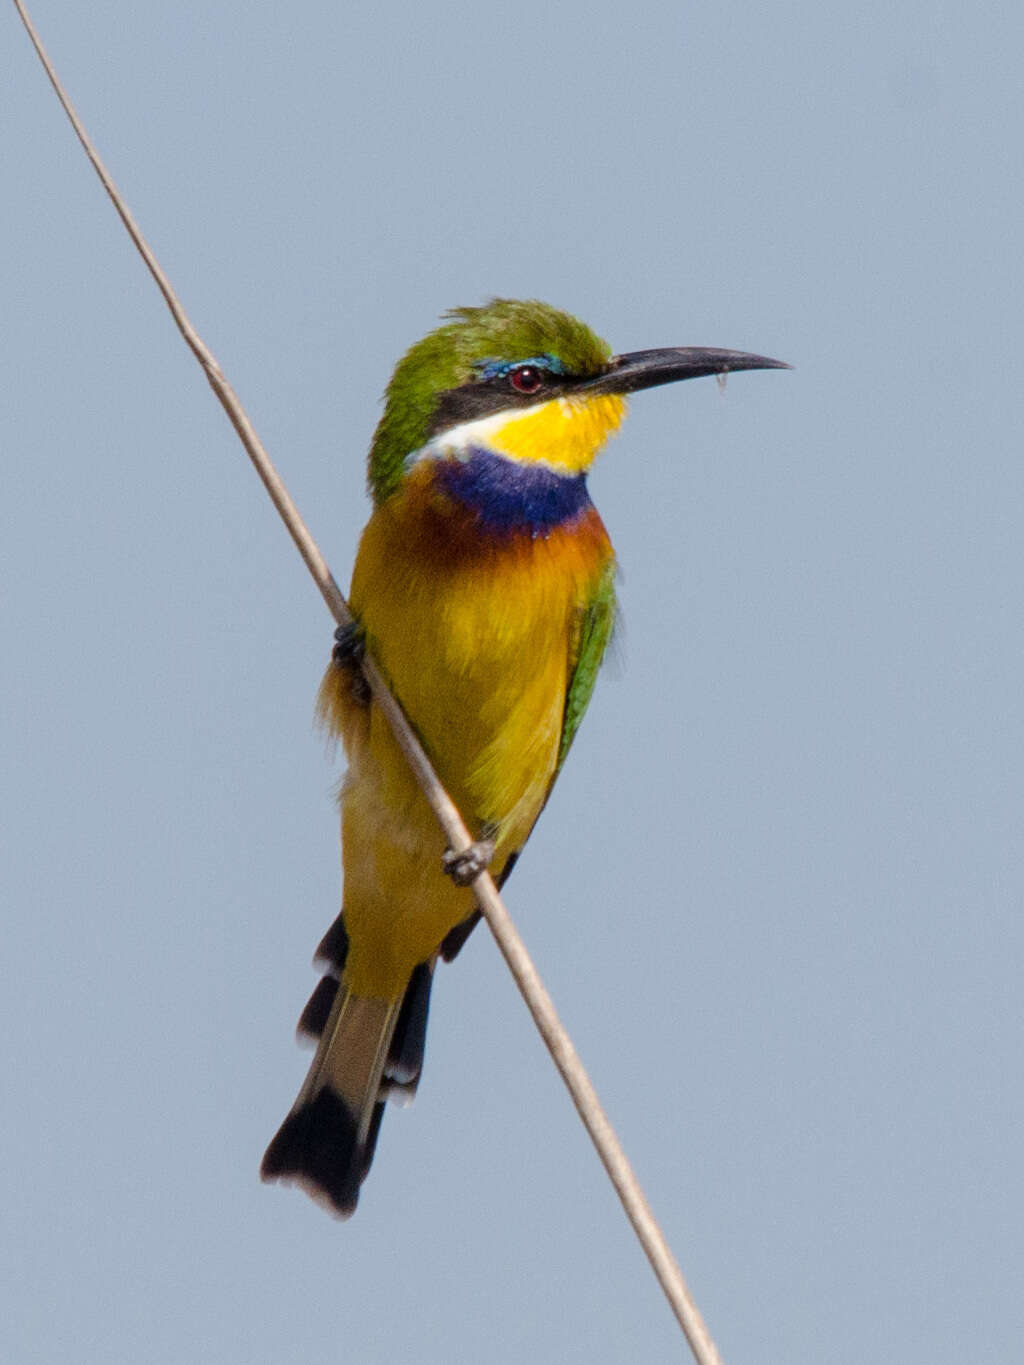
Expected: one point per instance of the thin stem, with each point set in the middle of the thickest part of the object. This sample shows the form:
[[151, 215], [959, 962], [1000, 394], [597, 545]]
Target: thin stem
[[512, 947]]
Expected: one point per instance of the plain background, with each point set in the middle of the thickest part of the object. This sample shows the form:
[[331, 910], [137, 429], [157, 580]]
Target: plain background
[[777, 893]]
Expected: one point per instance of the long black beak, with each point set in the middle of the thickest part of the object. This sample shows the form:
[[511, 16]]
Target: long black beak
[[645, 369]]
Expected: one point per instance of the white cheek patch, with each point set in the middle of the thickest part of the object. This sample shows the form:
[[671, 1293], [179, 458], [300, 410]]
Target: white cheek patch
[[459, 442]]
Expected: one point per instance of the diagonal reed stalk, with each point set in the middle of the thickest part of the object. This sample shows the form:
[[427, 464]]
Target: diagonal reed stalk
[[538, 1001]]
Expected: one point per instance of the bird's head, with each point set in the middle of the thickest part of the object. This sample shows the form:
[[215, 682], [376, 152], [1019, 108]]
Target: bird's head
[[525, 380]]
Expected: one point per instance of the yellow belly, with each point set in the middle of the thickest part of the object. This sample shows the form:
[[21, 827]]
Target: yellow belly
[[475, 638]]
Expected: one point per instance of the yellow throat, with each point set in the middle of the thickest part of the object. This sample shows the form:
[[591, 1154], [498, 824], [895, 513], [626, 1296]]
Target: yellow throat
[[563, 433]]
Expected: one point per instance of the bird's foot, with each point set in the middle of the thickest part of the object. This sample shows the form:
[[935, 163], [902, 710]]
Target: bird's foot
[[465, 867], [348, 653], [349, 644]]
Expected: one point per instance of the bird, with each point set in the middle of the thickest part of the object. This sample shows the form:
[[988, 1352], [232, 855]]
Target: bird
[[484, 588]]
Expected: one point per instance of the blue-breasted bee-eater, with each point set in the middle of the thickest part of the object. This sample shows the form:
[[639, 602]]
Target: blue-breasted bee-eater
[[484, 587]]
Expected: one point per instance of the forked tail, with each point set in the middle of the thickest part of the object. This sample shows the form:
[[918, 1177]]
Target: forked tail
[[369, 1050]]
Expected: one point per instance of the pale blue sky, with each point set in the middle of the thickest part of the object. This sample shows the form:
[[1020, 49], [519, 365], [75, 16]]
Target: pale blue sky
[[777, 893]]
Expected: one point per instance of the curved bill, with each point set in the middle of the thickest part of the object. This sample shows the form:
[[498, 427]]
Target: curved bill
[[646, 369]]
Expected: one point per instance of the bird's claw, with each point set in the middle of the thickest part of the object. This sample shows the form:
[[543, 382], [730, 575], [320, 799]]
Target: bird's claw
[[348, 653], [465, 867], [349, 644]]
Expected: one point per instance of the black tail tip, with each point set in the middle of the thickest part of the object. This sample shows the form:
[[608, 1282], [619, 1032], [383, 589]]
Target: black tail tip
[[318, 1148]]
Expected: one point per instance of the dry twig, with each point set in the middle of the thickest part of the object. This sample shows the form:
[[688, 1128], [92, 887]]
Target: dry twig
[[539, 1002]]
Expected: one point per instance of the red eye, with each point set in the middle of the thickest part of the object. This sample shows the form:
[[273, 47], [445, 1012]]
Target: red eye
[[526, 378]]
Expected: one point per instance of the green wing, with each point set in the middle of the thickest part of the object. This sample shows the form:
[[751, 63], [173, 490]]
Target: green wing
[[587, 650]]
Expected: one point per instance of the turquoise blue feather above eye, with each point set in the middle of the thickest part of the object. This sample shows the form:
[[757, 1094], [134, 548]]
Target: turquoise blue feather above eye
[[497, 369], [508, 497]]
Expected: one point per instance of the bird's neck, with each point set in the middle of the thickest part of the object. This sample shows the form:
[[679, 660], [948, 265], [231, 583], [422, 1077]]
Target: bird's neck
[[502, 496]]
